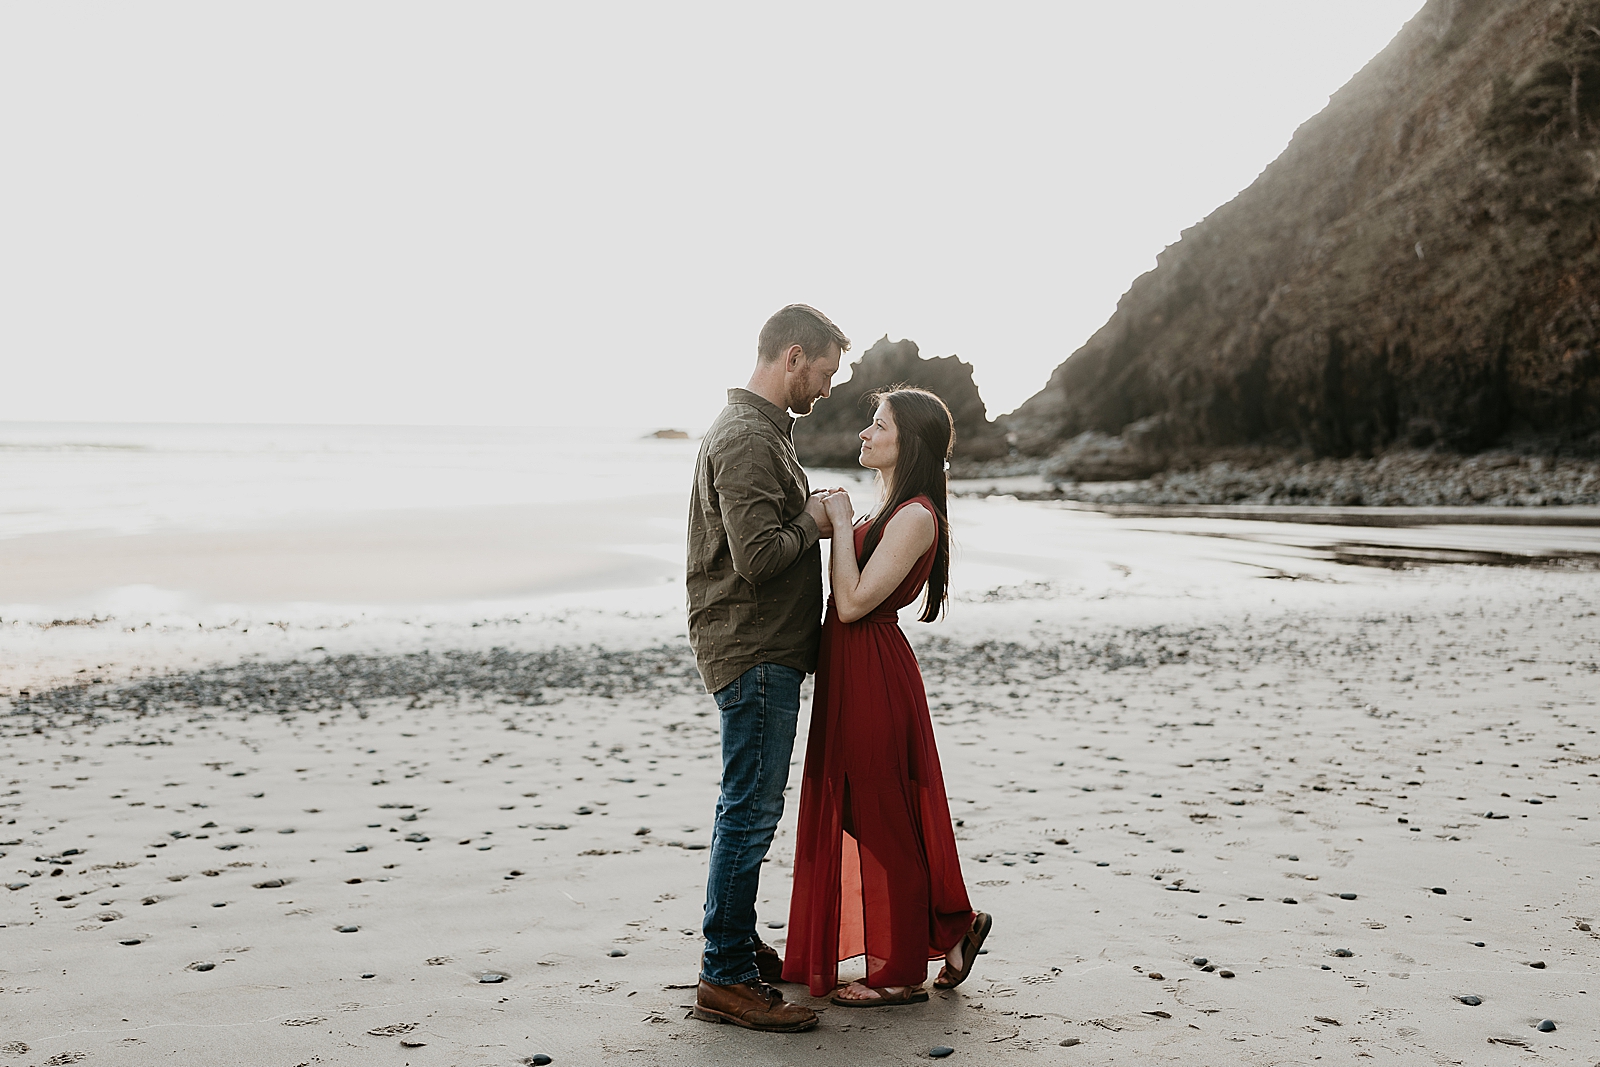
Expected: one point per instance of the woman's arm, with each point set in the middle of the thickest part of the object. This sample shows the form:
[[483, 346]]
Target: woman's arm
[[857, 592]]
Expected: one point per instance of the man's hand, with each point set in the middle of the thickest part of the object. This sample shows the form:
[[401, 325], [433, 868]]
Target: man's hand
[[818, 512]]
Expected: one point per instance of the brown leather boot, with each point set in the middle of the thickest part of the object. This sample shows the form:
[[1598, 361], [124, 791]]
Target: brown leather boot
[[752, 1005], [768, 962]]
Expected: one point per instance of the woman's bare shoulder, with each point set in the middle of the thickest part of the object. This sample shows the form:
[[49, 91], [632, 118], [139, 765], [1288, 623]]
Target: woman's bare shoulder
[[915, 513], [913, 521]]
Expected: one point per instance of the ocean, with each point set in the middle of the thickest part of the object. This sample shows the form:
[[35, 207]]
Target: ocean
[[128, 478]]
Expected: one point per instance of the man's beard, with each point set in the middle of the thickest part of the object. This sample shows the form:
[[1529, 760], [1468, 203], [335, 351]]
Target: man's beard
[[800, 403]]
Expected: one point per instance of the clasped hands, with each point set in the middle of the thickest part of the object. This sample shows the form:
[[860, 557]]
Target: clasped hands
[[831, 509]]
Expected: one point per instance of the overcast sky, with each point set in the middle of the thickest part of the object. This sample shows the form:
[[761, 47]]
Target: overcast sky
[[522, 213]]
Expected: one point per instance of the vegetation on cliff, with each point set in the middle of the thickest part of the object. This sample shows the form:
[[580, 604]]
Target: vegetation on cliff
[[1420, 268]]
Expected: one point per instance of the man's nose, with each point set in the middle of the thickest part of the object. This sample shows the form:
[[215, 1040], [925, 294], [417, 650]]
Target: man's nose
[[827, 387]]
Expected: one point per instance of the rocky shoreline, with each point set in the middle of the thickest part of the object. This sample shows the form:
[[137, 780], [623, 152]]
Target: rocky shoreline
[[500, 676], [1396, 479]]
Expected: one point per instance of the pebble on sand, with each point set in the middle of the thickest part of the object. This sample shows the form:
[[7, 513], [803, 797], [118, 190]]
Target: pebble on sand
[[1224, 974], [617, 952], [1347, 896], [1157, 975], [1068, 1042], [1537, 965], [1440, 890], [1199, 961], [202, 966], [1470, 1000], [939, 1052], [491, 978], [130, 941], [1547, 1027], [538, 1059], [271, 883], [347, 929]]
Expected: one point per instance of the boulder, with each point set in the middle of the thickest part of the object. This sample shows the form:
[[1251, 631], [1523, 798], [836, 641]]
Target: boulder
[[827, 437]]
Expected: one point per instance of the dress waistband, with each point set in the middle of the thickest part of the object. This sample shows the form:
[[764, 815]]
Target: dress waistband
[[880, 615]]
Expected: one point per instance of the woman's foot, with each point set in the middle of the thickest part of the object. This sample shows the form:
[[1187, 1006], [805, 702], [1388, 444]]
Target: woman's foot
[[861, 995], [960, 958], [862, 991]]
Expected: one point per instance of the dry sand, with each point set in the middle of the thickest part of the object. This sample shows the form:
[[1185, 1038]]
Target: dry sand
[[1156, 733]]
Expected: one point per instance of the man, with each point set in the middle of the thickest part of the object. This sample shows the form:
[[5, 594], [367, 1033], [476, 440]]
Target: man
[[755, 607]]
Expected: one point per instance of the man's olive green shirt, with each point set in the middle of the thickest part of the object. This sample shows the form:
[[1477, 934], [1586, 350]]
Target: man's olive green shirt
[[754, 569]]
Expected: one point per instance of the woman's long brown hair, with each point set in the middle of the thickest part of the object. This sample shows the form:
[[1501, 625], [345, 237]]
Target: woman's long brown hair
[[927, 435]]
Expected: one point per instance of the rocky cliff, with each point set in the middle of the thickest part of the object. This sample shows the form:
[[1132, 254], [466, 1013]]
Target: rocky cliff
[[1419, 268], [827, 437]]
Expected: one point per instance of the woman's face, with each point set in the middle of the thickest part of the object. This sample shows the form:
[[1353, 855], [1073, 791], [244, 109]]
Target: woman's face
[[880, 442]]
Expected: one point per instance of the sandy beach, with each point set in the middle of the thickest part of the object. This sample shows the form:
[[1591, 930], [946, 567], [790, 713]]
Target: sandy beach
[[359, 362], [301, 832]]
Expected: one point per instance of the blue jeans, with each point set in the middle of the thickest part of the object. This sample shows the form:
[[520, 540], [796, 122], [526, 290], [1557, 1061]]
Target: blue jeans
[[759, 709]]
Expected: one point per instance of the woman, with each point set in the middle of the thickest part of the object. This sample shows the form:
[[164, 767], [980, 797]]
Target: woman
[[876, 870]]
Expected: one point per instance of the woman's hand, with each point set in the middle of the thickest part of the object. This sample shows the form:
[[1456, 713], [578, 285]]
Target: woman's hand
[[840, 511]]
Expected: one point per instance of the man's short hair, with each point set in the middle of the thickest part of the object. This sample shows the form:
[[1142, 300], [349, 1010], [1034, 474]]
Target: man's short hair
[[803, 325]]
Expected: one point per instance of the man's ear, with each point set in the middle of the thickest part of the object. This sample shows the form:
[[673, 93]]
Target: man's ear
[[794, 357]]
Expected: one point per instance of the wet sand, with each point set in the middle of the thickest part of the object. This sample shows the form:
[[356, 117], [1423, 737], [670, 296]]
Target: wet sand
[[395, 557], [1156, 734]]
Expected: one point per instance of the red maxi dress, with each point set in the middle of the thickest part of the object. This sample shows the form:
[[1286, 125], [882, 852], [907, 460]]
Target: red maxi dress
[[891, 890]]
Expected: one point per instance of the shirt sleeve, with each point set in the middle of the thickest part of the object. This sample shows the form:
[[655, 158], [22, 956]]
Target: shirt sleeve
[[748, 479]]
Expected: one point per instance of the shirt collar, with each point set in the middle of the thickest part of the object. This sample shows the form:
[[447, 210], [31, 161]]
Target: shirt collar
[[776, 415]]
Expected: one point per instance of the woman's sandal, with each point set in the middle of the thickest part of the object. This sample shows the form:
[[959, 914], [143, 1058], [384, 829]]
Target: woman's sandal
[[914, 994], [972, 941]]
